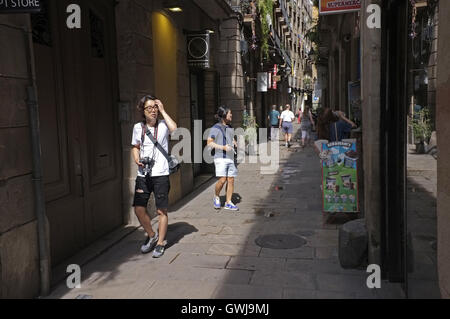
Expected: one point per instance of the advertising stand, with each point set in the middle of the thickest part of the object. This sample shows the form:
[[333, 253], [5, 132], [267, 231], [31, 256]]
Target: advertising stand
[[340, 176]]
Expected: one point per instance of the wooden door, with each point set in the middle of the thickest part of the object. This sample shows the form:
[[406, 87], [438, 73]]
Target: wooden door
[[77, 92], [99, 121]]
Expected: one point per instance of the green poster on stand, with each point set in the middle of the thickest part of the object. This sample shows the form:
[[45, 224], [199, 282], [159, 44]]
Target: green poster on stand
[[340, 177]]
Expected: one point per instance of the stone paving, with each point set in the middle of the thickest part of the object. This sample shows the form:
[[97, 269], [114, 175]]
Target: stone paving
[[422, 226], [213, 254]]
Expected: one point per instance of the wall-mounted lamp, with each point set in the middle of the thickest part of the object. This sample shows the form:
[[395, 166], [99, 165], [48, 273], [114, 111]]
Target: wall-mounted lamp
[[173, 5], [210, 31], [175, 9]]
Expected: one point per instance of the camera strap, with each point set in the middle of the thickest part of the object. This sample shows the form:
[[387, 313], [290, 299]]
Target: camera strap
[[147, 132], [154, 140]]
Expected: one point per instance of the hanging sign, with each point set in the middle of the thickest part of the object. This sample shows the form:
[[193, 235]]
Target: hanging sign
[[262, 82], [20, 6], [274, 78], [339, 6]]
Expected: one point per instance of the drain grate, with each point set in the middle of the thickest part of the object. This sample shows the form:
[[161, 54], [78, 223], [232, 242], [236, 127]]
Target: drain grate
[[280, 241]]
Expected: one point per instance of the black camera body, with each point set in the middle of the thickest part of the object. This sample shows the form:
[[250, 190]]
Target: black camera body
[[149, 163]]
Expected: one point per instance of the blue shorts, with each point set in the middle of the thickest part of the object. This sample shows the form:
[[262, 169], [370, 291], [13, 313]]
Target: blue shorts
[[288, 128], [225, 167]]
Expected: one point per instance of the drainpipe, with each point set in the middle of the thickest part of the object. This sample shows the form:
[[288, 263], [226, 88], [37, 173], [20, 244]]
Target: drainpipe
[[39, 202]]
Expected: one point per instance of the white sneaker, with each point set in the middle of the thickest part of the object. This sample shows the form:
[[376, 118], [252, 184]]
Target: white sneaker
[[149, 243], [217, 204], [231, 206]]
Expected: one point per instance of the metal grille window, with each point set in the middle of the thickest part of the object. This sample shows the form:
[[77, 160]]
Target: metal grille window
[[41, 26], [97, 36]]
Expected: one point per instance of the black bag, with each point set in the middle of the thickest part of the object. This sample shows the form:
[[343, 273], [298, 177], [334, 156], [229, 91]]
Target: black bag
[[174, 163]]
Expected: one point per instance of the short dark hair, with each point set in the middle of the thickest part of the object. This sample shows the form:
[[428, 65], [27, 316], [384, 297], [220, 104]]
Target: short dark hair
[[222, 112], [141, 105]]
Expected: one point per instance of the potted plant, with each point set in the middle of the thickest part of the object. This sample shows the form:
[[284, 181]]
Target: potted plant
[[421, 124]]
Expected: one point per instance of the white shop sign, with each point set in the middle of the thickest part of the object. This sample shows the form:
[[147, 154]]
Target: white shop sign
[[20, 6]]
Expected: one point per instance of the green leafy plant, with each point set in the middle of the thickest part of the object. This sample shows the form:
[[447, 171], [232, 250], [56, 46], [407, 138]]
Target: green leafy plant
[[250, 127], [421, 124], [313, 34], [307, 82], [265, 8], [245, 7]]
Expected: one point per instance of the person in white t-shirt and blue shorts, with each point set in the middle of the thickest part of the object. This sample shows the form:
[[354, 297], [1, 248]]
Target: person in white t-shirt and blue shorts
[[286, 120]]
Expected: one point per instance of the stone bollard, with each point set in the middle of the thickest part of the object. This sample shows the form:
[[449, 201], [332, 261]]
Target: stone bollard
[[353, 244]]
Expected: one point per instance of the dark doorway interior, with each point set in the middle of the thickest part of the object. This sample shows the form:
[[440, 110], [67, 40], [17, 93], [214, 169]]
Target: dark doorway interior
[[393, 137], [409, 229]]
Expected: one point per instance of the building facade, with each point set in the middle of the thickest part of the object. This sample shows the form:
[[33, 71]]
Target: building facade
[[395, 56], [86, 83]]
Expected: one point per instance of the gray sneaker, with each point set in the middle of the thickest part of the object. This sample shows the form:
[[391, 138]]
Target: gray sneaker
[[149, 244], [159, 251]]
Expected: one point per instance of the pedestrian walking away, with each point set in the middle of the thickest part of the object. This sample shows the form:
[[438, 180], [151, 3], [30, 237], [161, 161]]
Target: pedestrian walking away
[[221, 139], [341, 128], [286, 119], [307, 122], [153, 170], [325, 117], [274, 118]]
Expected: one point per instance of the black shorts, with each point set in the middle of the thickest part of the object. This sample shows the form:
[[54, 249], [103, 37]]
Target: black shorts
[[160, 186]]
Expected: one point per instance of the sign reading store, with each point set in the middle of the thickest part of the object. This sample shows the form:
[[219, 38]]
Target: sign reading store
[[20, 6]]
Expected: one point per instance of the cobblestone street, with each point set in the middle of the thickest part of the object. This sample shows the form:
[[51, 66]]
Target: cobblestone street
[[214, 254]]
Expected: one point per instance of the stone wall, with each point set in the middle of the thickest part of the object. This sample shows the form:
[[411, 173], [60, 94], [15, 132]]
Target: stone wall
[[232, 86], [135, 70], [432, 67], [19, 254]]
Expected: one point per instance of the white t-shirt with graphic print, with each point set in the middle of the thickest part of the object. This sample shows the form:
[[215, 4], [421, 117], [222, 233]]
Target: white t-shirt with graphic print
[[161, 167]]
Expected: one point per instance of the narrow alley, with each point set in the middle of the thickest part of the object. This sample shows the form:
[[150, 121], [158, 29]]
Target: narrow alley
[[221, 254], [111, 107]]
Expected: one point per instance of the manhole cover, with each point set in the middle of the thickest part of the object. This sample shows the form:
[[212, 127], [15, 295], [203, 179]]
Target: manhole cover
[[280, 241]]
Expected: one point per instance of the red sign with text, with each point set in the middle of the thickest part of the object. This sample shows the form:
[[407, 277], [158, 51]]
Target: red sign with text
[[275, 72], [339, 6]]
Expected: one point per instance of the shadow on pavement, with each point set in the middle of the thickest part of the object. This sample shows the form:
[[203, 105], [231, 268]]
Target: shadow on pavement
[[177, 231], [422, 238], [286, 208]]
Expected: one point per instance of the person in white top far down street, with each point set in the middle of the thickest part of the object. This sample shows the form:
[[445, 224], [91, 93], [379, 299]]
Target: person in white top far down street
[[286, 119]]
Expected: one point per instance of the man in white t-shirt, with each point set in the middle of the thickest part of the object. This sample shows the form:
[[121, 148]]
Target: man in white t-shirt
[[286, 119], [153, 170]]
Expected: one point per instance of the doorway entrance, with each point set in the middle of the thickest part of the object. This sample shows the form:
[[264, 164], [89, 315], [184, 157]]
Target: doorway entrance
[[197, 87], [409, 171], [80, 140]]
